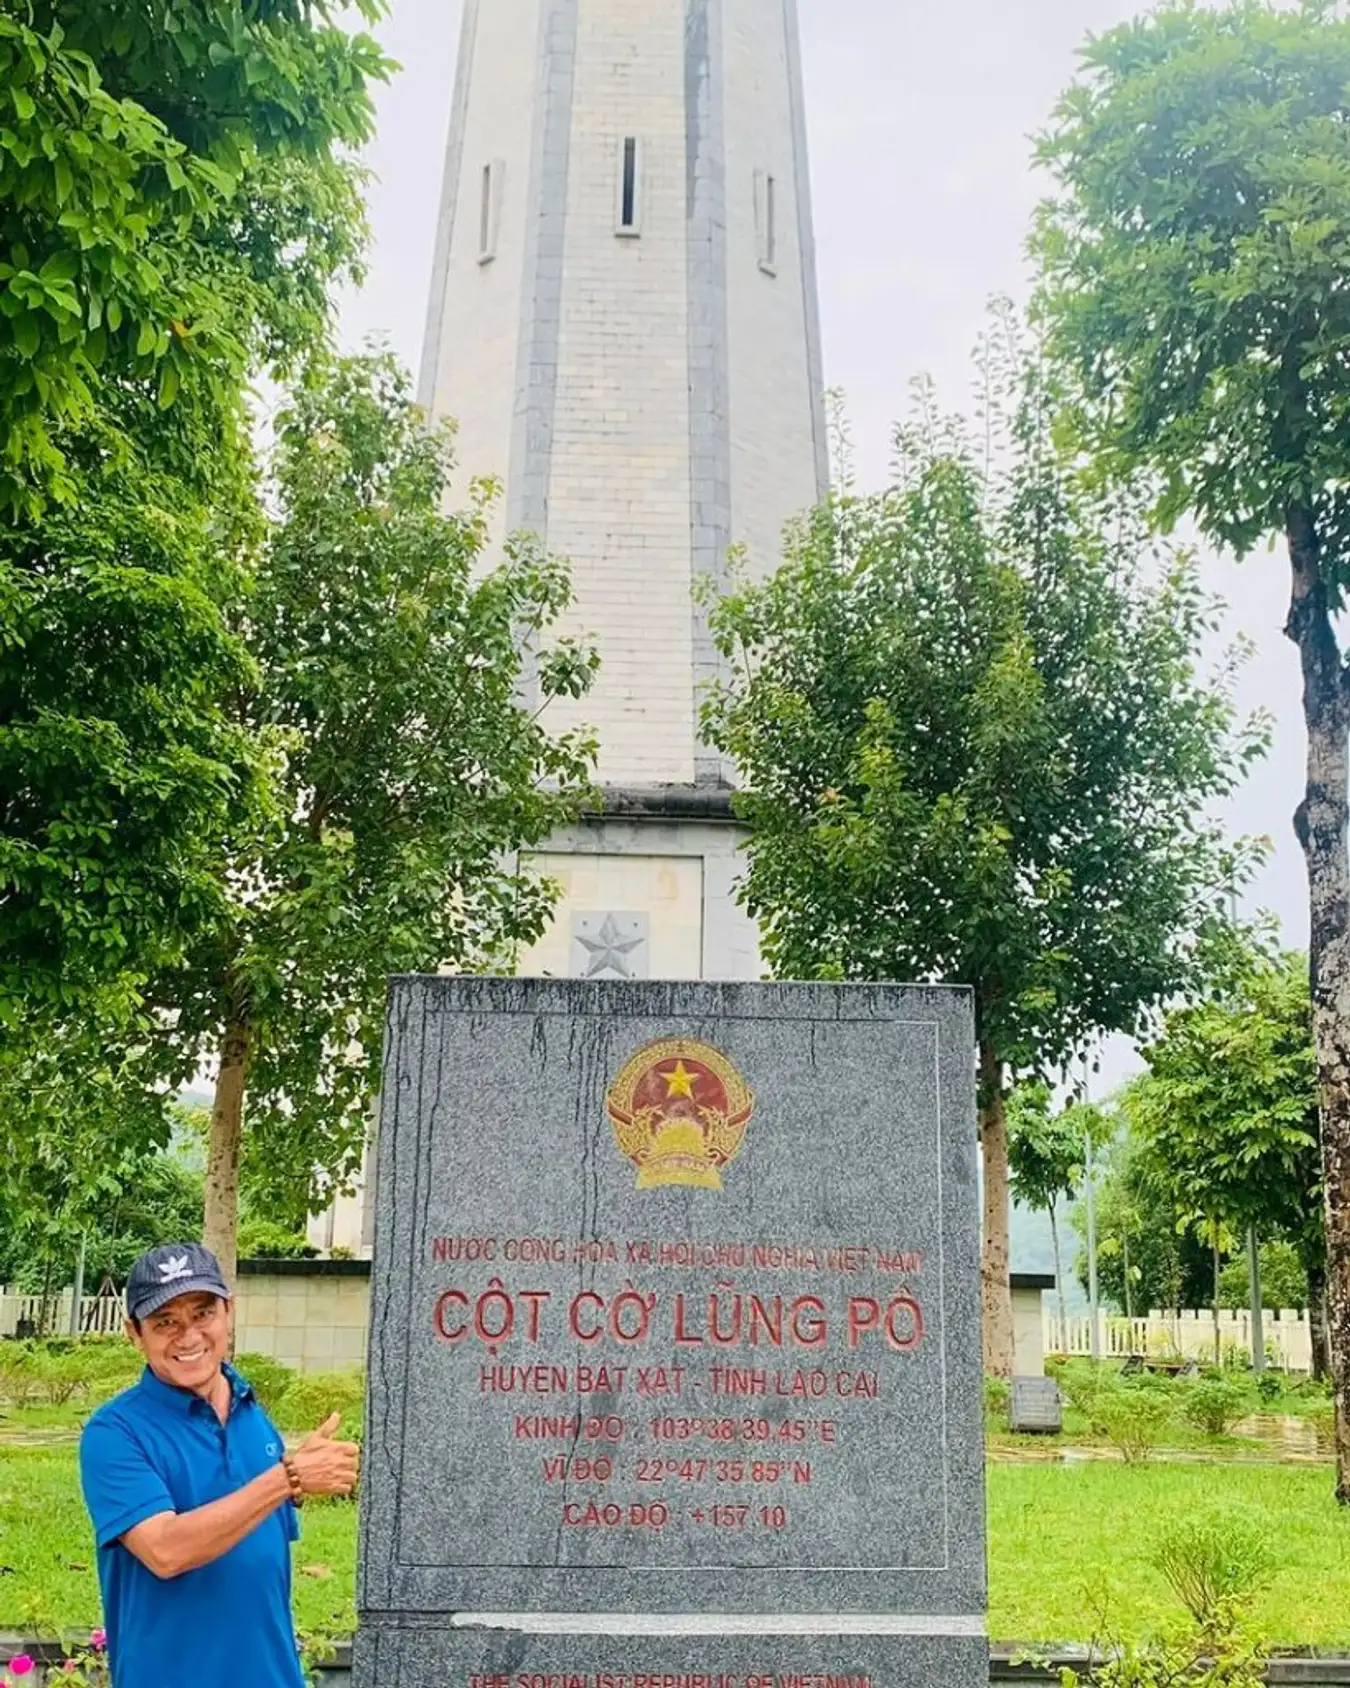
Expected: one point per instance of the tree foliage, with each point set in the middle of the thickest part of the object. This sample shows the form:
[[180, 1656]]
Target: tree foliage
[[976, 748], [409, 769], [1284, 1280], [170, 201], [1195, 261], [84, 1151], [1228, 1106], [174, 203], [1144, 1259], [121, 766], [1046, 1154], [1045, 1148]]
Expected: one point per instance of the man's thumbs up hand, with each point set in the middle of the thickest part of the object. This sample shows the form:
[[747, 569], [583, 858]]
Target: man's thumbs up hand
[[326, 1467]]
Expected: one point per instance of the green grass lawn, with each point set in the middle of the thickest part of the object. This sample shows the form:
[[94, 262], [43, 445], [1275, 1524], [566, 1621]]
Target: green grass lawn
[[1066, 1541], [1069, 1541], [48, 1576]]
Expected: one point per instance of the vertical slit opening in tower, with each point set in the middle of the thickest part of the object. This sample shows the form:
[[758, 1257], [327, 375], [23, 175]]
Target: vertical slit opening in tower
[[485, 215], [628, 202]]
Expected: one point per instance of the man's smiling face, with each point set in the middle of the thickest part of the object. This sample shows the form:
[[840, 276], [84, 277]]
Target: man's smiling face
[[185, 1340]]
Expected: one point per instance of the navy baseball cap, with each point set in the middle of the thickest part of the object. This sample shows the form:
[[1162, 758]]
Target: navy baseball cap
[[171, 1270]]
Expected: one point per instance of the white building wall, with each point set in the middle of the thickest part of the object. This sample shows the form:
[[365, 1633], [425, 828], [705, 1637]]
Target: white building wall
[[619, 492], [776, 427], [667, 889], [651, 399], [1028, 1333], [678, 875], [474, 332]]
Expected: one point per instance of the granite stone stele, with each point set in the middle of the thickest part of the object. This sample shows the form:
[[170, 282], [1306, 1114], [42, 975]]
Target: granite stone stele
[[674, 1357]]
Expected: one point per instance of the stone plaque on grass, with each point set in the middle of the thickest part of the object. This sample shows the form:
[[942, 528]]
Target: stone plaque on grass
[[1034, 1406], [675, 1359]]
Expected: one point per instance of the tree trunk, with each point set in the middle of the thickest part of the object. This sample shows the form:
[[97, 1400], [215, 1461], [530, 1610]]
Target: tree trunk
[[1218, 1267], [1320, 823], [1125, 1264], [1059, 1279], [995, 1289], [220, 1225], [1317, 1320]]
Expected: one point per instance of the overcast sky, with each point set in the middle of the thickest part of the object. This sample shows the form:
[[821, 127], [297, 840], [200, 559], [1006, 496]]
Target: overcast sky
[[920, 114]]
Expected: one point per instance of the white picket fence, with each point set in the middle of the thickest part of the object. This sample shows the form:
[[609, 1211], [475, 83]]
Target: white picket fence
[[99, 1314], [1188, 1333]]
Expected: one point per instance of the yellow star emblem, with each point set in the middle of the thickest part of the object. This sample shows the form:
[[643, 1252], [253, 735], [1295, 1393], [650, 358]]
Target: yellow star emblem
[[680, 1082]]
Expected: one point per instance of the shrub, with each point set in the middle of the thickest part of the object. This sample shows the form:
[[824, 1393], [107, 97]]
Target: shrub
[[313, 1395], [1269, 1387], [264, 1239], [20, 1377], [997, 1395], [1215, 1404], [1214, 1564], [1081, 1382], [63, 1374], [270, 1379], [58, 1369], [1133, 1417], [1321, 1415], [1231, 1656], [1163, 1345], [108, 1364]]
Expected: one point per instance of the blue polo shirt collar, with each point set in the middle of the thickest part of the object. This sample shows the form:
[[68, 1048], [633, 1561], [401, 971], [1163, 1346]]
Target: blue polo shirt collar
[[184, 1401]]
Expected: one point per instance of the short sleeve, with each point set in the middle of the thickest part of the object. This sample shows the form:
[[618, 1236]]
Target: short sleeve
[[121, 1487]]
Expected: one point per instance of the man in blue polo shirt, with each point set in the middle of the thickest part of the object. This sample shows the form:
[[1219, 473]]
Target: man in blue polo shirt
[[193, 1496]]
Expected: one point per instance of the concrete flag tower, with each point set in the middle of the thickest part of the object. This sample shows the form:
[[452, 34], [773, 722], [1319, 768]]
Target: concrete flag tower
[[623, 322]]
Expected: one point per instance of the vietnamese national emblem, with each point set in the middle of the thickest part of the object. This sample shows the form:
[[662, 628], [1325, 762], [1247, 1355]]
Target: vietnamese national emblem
[[679, 1111]]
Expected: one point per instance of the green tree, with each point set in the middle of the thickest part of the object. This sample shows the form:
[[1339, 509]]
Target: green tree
[[1228, 1109], [175, 200], [1144, 1259], [121, 766], [171, 199], [89, 1151], [410, 768], [1195, 283], [975, 750], [1284, 1280], [1045, 1159]]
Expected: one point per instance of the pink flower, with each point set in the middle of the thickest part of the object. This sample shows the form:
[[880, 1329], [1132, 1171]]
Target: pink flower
[[69, 1667], [22, 1665], [98, 1639]]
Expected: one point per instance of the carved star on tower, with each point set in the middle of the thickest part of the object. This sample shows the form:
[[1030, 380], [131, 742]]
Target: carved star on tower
[[609, 950]]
